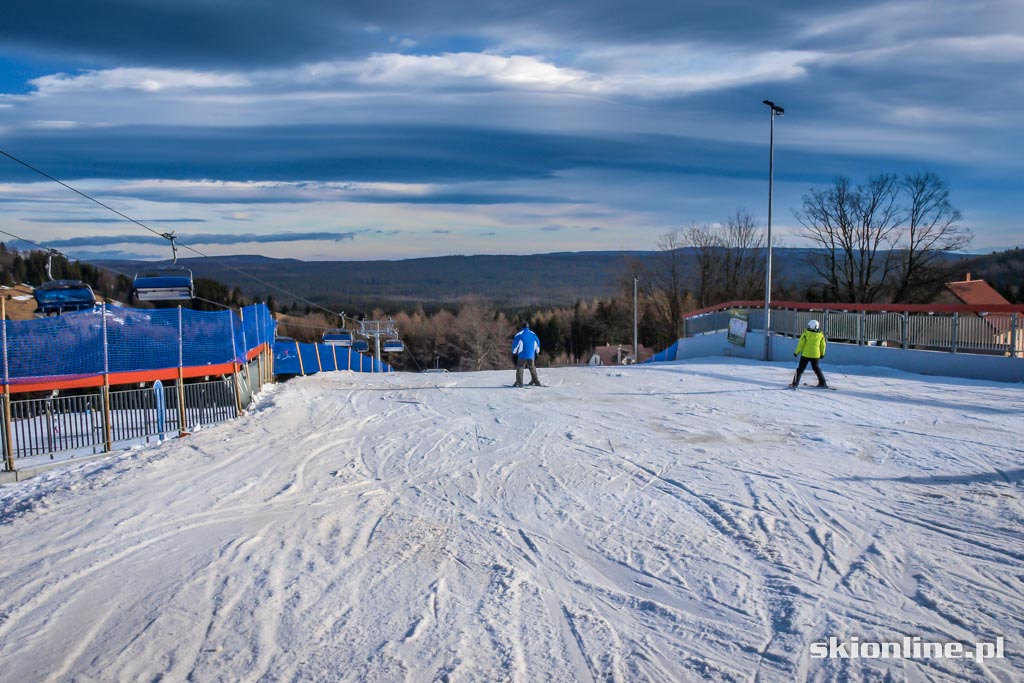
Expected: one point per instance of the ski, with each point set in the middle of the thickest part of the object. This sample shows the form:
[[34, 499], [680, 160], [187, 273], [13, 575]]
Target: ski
[[815, 386]]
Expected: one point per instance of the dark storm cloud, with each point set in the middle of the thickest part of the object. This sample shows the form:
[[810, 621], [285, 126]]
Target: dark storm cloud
[[292, 153], [202, 238], [407, 154], [156, 32], [305, 156]]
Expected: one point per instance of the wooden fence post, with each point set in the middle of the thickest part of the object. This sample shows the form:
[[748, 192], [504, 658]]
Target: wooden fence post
[[8, 438], [234, 359], [181, 375], [108, 441]]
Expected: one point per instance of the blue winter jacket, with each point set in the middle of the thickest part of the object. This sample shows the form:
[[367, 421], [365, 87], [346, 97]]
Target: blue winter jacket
[[526, 345]]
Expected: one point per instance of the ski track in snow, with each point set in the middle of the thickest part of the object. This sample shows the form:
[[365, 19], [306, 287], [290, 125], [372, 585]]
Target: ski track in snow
[[676, 522]]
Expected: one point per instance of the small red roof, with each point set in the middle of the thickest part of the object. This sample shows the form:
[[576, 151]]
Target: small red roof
[[981, 293], [976, 292]]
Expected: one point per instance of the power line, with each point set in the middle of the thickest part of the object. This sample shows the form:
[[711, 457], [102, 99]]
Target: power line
[[164, 235]]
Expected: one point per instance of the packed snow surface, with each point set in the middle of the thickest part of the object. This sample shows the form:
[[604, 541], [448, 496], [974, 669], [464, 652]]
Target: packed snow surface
[[679, 522]]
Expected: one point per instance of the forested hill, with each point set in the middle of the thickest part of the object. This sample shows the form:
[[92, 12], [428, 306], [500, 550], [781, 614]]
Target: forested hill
[[542, 279], [556, 279]]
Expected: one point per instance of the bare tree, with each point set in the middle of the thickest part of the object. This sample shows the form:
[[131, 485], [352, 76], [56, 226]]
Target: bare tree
[[933, 229], [707, 251], [664, 282], [856, 229], [730, 259], [743, 260]]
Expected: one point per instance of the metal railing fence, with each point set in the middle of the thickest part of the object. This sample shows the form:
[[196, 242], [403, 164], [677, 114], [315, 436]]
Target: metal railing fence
[[56, 424], [956, 332], [95, 421]]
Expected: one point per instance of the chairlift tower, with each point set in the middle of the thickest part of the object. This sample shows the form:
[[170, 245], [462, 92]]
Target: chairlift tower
[[377, 329]]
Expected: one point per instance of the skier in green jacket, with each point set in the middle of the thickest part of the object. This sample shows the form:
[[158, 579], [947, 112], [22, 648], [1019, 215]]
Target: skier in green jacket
[[811, 349]]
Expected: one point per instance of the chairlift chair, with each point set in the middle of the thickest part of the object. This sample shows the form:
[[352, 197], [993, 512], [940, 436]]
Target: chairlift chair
[[173, 283], [337, 337], [61, 296], [361, 346], [165, 284], [393, 346]]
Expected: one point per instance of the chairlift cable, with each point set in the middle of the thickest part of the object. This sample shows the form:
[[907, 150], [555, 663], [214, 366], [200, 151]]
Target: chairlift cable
[[106, 268], [58, 251], [165, 236]]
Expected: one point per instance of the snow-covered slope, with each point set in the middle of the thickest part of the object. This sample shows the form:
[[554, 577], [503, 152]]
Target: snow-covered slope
[[686, 521]]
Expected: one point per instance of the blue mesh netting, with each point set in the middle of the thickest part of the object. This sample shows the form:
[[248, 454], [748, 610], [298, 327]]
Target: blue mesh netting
[[257, 326], [142, 339], [207, 337], [286, 359], [71, 345]]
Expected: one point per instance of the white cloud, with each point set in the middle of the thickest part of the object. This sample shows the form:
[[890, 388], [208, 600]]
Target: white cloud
[[514, 71], [147, 80], [994, 48], [228, 192], [659, 71], [683, 69], [52, 125]]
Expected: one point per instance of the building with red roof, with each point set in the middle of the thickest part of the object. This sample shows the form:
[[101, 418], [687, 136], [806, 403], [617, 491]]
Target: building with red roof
[[980, 293]]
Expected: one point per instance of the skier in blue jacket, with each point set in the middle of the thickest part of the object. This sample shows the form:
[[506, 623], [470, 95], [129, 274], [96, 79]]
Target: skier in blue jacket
[[525, 347]]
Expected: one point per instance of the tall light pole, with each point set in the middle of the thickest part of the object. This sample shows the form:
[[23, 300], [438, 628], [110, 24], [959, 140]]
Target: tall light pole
[[636, 347], [775, 109]]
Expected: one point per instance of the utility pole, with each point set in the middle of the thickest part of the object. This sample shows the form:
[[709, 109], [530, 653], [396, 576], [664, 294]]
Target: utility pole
[[636, 345]]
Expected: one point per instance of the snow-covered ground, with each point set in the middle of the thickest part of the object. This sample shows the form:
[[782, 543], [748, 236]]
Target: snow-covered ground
[[677, 522]]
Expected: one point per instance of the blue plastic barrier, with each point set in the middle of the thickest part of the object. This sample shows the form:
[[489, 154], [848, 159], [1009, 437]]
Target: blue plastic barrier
[[286, 359]]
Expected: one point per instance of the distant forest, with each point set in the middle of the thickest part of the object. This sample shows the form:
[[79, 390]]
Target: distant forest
[[460, 312]]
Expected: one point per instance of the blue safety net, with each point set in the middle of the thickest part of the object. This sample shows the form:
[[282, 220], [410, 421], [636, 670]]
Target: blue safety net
[[110, 339], [114, 339], [71, 345], [257, 326]]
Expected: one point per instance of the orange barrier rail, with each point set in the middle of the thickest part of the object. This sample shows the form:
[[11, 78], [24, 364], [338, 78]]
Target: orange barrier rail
[[119, 378]]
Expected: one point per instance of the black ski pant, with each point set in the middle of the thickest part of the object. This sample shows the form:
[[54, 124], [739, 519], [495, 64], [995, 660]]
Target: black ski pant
[[526, 363], [804, 360]]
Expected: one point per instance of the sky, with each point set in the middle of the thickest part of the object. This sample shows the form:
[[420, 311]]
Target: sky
[[386, 130]]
